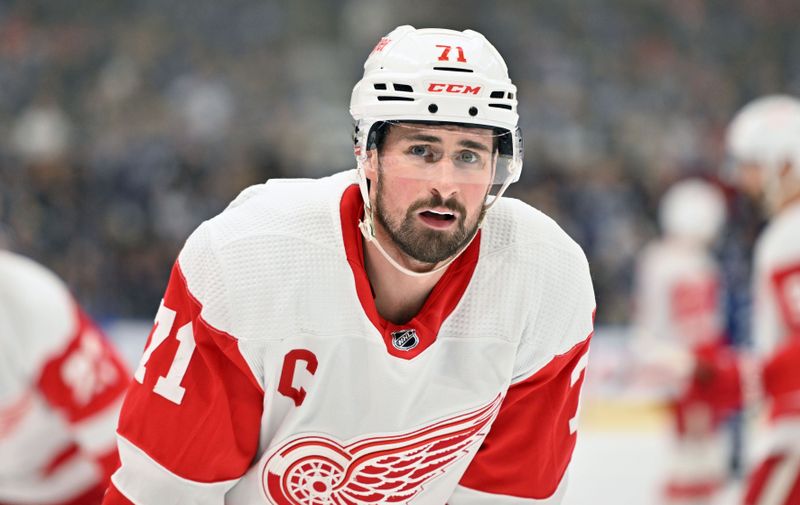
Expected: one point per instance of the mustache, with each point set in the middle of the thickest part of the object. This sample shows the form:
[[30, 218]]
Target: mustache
[[437, 201]]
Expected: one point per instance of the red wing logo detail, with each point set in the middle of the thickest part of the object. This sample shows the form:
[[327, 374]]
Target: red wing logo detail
[[11, 416], [314, 470]]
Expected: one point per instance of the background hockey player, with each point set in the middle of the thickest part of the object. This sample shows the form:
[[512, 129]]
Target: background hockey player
[[61, 387], [378, 336], [764, 140], [679, 337]]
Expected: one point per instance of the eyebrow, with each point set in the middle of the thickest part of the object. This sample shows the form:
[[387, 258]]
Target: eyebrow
[[433, 139]]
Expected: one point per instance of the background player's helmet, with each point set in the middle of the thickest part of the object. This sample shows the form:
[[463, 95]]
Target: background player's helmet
[[692, 209], [765, 131], [762, 138], [438, 76]]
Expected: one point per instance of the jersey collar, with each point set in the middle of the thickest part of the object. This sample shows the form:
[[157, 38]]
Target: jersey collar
[[407, 340]]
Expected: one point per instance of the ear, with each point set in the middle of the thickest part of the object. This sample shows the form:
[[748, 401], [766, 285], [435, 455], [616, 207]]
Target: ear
[[788, 185], [785, 170], [370, 164]]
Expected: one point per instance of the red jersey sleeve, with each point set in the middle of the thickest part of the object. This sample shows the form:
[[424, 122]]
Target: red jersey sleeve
[[780, 379], [190, 423], [527, 451]]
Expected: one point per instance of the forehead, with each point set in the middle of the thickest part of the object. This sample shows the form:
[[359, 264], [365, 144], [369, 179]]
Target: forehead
[[441, 133]]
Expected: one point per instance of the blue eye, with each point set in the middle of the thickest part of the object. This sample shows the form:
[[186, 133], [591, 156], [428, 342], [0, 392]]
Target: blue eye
[[419, 150], [468, 157]]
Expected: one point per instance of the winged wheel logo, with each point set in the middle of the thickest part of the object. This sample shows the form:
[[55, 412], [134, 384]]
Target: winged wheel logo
[[315, 470]]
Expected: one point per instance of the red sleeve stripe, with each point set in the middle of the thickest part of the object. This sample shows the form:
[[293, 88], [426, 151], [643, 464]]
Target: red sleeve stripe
[[61, 458], [775, 481], [14, 413], [211, 433], [530, 444]]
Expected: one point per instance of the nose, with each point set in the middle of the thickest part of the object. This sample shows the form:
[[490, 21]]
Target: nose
[[444, 180]]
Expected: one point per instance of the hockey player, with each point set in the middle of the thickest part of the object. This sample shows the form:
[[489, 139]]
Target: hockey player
[[764, 140], [378, 336], [61, 387], [678, 324]]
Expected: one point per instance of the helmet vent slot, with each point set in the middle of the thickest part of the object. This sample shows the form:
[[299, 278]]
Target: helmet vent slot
[[379, 86], [454, 69], [497, 94], [395, 99], [403, 87], [500, 106]]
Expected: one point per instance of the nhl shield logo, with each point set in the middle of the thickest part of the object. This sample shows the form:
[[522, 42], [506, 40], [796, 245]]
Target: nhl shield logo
[[405, 340]]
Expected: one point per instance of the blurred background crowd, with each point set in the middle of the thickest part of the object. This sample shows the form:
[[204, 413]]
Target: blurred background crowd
[[125, 124]]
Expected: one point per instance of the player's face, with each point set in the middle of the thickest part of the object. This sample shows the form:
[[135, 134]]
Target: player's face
[[750, 179], [431, 186]]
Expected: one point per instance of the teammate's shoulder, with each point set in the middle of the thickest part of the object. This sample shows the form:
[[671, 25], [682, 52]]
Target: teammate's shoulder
[[27, 279], [39, 305], [512, 221]]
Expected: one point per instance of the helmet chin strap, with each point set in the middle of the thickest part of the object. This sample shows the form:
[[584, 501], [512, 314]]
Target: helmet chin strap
[[368, 231]]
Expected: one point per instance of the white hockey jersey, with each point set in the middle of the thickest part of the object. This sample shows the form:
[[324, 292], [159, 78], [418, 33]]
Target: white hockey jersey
[[677, 294], [677, 310], [776, 314], [61, 387], [776, 332], [269, 376], [678, 314]]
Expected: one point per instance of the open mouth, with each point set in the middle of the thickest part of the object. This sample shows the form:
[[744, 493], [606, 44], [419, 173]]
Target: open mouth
[[438, 219], [438, 216]]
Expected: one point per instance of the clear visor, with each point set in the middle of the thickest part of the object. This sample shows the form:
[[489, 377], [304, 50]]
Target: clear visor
[[468, 158]]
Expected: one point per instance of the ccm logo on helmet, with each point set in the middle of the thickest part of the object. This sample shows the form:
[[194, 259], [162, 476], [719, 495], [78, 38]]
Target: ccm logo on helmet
[[464, 89]]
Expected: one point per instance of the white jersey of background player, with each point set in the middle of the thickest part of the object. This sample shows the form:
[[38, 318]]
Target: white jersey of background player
[[61, 386], [764, 139], [370, 337], [677, 319], [676, 292]]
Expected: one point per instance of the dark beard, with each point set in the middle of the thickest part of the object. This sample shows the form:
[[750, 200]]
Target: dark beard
[[425, 245]]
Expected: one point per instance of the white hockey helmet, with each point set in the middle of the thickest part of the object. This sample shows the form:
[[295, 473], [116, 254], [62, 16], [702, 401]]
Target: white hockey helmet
[[766, 133], [692, 209], [438, 76]]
